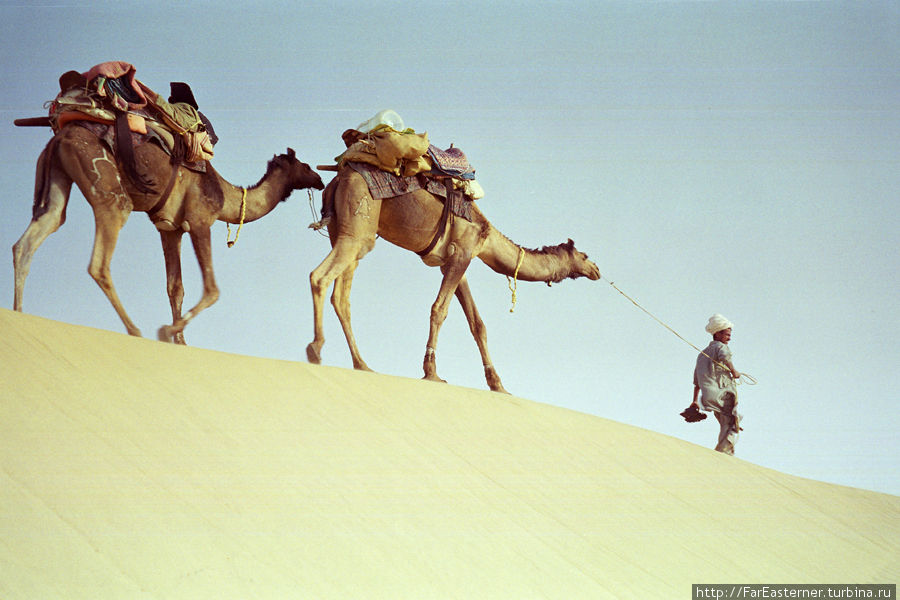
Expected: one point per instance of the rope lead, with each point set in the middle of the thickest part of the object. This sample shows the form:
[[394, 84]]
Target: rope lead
[[749, 379]]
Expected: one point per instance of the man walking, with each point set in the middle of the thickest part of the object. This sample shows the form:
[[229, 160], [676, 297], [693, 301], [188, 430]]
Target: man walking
[[715, 388]]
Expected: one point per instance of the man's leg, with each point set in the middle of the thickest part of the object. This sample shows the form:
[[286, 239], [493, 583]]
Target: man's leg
[[728, 425]]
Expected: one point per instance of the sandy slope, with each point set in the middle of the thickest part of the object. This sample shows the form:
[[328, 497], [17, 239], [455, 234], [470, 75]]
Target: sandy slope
[[136, 469]]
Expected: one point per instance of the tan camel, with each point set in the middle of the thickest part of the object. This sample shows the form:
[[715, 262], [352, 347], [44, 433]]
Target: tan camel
[[411, 222], [196, 201]]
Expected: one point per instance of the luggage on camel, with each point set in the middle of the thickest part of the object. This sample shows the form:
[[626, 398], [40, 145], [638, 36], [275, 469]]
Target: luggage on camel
[[115, 106], [109, 91], [394, 160], [384, 142]]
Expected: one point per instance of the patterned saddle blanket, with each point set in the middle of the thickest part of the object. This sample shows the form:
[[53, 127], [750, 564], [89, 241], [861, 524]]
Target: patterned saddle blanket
[[387, 185]]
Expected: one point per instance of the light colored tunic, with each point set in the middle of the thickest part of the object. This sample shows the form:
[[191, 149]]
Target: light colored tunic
[[718, 392], [714, 379]]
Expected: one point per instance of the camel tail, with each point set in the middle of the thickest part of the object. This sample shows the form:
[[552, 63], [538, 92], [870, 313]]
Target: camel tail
[[42, 179]]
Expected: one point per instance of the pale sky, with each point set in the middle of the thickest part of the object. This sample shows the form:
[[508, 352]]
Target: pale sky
[[734, 157]]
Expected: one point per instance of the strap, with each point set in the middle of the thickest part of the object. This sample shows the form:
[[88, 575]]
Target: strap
[[177, 154], [166, 192], [125, 152], [442, 224]]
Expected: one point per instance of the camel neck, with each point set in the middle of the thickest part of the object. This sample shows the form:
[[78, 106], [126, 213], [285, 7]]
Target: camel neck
[[249, 204], [508, 258]]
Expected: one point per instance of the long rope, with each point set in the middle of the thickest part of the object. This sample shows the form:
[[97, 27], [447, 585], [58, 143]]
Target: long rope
[[240, 224], [744, 378]]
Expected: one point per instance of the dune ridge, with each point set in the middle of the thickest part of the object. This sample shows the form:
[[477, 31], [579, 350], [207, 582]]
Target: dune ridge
[[130, 468]]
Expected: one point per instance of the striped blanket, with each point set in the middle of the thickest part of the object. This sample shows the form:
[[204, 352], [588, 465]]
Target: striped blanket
[[387, 185]]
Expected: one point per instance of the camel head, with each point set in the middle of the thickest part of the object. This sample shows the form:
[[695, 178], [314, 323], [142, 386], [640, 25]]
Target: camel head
[[581, 266], [299, 175]]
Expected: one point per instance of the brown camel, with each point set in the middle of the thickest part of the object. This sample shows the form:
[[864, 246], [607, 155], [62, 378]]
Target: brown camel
[[197, 200], [411, 222]]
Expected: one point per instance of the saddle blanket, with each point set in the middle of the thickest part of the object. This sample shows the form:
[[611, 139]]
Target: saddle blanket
[[387, 185]]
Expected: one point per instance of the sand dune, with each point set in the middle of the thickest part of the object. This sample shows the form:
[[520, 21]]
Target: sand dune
[[136, 469]]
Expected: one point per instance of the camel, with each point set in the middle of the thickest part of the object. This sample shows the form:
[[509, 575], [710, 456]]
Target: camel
[[411, 221], [196, 200]]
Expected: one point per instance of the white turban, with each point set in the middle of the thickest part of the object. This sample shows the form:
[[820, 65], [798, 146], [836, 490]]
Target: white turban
[[717, 323]]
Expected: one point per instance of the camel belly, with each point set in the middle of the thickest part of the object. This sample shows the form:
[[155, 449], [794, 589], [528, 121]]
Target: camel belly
[[411, 220]]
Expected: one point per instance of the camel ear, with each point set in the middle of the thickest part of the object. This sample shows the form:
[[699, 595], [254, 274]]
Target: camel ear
[[290, 153], [570, 244]]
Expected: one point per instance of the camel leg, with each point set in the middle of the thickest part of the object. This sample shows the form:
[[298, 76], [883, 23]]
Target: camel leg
[[108, 224], [40, 228], [200, 238], [54, 199], [344, 256], [479, 332], [340, 300], [171, 244], [352, 232], [454, 270]]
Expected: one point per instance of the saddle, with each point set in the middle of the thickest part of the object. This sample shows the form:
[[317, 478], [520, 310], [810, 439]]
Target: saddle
[[393, 163], [109, 96], [109, 90]]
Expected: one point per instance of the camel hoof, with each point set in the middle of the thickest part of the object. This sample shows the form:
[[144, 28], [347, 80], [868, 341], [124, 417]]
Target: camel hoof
[[167, 333], [493, 380], [434, 378], [312, 355]]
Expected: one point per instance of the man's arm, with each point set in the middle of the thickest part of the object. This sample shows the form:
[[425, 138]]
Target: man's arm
[[735, 374]]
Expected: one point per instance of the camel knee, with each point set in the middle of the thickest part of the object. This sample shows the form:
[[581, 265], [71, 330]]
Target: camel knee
[[439, 312], [101, 276], [315, 284], [18, 263]]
